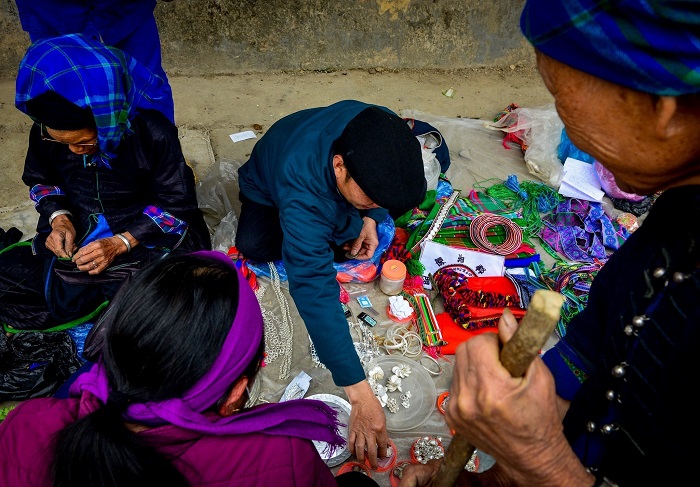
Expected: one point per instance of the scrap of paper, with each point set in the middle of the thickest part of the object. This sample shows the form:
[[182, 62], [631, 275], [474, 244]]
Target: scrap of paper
[[580, 181], [248, 134]]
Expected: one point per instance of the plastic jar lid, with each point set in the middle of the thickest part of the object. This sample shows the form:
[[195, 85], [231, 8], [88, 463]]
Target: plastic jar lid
[[385, 463], [441, 400], [394, 270]]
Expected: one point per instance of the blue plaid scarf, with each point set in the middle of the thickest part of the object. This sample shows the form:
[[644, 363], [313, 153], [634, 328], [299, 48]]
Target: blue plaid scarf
[[647, 45], [89, 74]]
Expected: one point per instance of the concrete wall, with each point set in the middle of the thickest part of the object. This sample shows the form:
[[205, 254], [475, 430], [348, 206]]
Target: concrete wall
[[201, 37]]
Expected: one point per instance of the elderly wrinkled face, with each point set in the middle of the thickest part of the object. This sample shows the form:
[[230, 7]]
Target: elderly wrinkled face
[[620, 127], [349, 188], [82, 141]]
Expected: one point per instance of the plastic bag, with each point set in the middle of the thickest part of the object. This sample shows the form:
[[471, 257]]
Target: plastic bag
[[216, 193], [349, 271], [568, 149], [609, 185], [35, 364], [476, 152], [540, 130]]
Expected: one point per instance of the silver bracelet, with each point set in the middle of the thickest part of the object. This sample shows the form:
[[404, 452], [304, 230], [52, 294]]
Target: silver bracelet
[[428, 369], [125, 240], [58, 213]]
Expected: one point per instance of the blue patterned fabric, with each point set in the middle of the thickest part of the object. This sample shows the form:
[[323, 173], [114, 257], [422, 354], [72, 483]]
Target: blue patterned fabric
[[89, 74], [647, 45]]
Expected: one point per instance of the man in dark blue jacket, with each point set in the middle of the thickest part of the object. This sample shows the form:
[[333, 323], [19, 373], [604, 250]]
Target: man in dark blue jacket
[[316, 185]]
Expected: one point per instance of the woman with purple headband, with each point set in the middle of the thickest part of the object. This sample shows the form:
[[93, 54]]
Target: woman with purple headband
[[610, 403], [166, 402]]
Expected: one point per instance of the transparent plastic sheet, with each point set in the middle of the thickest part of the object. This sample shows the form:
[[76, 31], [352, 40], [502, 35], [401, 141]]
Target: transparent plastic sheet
[[350, 271], [476, 151], [216, 194], [540, 129]]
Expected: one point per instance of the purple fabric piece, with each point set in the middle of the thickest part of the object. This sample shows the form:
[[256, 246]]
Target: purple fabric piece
[[204, 460], [581, 231], [301, 418]]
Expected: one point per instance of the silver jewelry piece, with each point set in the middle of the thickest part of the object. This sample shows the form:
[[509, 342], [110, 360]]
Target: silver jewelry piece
[[428, 369], [392, 405], [393, 384], [401, 370], [428, 448], [125, 240]]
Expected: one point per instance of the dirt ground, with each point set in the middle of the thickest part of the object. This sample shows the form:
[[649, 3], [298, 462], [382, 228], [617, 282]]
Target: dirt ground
[[209, 109], [219, 106]]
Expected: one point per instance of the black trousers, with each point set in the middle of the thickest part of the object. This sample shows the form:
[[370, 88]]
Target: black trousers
[[259, 236]]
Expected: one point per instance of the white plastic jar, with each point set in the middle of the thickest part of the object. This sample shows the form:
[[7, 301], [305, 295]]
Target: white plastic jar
[[392, 277]]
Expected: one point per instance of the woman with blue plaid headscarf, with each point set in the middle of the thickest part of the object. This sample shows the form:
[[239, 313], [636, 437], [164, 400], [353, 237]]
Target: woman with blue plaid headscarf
[[610, 403], [107, 176]]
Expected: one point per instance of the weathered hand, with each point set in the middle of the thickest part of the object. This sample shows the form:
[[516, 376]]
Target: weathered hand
[[419, 474], [511, 417], [96, 256], [367, 428], [61, 240], [364, 246]]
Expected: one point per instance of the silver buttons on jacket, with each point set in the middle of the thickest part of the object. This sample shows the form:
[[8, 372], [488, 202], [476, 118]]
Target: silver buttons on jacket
[[659, 272], [680, 277], [619, 370], [639, 320]]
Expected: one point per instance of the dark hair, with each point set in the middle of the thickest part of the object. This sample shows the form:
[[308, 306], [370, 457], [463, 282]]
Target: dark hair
[[166, 328], [56, 112]]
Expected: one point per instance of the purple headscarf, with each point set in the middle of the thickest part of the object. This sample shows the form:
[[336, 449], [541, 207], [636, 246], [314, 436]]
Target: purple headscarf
[[301, 418]]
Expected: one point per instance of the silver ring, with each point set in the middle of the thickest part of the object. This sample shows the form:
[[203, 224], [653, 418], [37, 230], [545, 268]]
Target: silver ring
[[94, 264], [431, 372]]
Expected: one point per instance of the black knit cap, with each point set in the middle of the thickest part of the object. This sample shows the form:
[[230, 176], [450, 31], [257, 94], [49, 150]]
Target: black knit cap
[[56, 112], [384, 158]]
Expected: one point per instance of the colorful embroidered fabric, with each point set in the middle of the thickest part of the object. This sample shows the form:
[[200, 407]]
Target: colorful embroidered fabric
[[397, 248], [240, 263], [38, 191], [476, 302], [580, 231], [455, 229], [573, 280]]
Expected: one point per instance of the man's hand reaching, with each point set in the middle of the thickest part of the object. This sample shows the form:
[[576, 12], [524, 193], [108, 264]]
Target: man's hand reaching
[[364, 246], [367, 428]]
